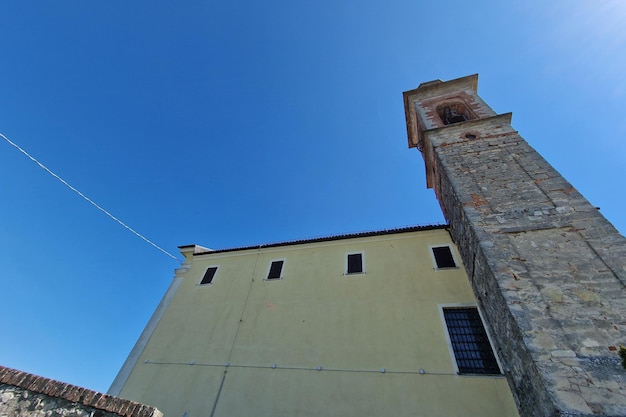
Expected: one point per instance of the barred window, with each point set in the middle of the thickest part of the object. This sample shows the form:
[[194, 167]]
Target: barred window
[[470, 343]]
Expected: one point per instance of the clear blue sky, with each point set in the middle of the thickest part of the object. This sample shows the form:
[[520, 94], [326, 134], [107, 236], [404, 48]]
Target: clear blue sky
[[243, 122]]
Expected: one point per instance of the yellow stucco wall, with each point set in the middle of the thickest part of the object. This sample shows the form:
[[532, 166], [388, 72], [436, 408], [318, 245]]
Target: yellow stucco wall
[[351, 326]]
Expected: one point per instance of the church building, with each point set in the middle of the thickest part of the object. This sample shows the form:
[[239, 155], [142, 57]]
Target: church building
[[380, 323], [516, 307]]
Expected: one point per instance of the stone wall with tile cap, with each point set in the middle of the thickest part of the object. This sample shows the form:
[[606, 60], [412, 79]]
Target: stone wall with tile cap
[[548, 269], [27, 395]]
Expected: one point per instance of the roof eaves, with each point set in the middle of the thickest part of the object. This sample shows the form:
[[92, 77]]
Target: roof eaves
[[327, 238]]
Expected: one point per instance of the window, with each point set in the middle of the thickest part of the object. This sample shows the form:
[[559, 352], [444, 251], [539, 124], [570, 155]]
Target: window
[[355, 263], [443, 257], [469, 341], [276, 269], [208, 275]]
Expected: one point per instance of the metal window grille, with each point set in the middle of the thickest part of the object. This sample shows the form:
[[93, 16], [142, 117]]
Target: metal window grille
[[208, 275], [470, 343]]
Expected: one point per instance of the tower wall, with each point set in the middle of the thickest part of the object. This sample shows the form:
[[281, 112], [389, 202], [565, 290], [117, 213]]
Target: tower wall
[[548, 269]]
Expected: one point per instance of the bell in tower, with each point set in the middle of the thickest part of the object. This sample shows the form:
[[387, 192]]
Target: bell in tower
[[452, 116]]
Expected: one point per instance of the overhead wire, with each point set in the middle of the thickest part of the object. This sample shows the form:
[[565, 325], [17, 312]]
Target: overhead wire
[[90, 201]]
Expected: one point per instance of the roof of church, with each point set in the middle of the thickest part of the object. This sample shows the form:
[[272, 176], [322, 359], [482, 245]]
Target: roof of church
[[204, 251]]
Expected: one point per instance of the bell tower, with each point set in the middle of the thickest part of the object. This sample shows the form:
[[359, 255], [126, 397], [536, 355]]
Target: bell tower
[[548, 269]]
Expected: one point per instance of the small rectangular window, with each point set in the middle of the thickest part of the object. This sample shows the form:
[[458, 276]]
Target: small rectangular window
[[470, 343], [355, 263], [443, 257], [276, 270], [208, 275]]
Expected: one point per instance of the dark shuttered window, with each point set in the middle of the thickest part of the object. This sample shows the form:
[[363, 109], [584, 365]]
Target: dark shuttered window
[[275, 270], [355, 263], [208, 275], [443, 257]]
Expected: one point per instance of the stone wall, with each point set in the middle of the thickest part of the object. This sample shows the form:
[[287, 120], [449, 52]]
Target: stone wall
[[548, 269], [27, 395]]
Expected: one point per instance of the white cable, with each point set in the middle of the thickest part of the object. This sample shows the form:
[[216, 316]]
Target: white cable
[[42, 166]]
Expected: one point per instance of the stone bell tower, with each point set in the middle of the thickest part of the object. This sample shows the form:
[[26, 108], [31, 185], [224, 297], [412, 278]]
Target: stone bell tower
[[548, 269]]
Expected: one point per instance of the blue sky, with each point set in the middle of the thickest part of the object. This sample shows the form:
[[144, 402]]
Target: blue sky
[[235, 123]]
